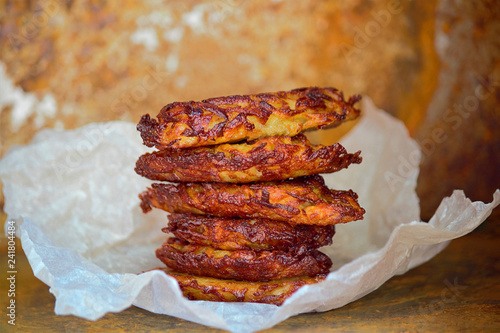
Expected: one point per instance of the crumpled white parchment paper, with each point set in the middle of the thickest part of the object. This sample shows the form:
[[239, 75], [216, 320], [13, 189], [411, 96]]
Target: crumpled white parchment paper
[[74, 197]]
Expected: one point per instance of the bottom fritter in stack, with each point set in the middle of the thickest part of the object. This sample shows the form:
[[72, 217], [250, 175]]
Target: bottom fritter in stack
[[248, 210]]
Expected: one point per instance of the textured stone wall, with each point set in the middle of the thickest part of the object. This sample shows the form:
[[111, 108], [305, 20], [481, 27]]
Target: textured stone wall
[[68, 63], [460, 134]]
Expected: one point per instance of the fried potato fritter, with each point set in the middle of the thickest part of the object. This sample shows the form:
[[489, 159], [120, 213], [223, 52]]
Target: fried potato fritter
[[304, 200], [235, 118], [247, 234], [242, 264], [265, 159], [219, 290]]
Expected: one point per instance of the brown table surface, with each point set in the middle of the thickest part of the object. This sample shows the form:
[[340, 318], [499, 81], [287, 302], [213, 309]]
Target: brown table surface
[[458, 290]]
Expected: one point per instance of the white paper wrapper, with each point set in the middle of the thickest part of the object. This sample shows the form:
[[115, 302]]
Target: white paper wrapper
[[74, 197]]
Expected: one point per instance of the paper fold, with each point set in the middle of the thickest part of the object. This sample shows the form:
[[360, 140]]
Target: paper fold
[[74, 197]]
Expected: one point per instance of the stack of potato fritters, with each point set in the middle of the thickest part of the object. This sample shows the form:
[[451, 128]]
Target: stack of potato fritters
[[248, 210]]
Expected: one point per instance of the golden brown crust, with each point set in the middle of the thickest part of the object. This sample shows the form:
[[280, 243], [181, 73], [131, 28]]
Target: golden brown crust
[[304, 200], [235, 118], [265, 159], [219, 290], [247, 234], [243, 264]]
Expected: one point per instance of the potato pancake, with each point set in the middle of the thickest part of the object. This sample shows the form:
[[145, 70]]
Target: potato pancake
[[218, 290], [265, 159], [246, 117], [245, 265], [247, 234], [304, 200]]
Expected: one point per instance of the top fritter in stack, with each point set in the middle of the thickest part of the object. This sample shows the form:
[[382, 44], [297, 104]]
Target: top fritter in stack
[[249, 209]]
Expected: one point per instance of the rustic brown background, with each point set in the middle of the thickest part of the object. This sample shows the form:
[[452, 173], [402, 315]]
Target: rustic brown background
[[434, 64]]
